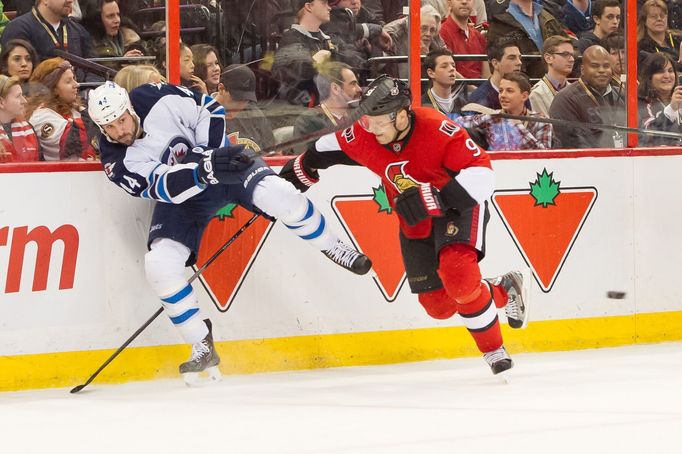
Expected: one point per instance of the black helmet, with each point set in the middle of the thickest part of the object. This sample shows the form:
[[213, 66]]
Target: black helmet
[[399, 96]]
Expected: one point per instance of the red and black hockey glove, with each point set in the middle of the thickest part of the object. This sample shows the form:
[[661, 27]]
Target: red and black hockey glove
[[418, 203], [222, 165], [299, 174]]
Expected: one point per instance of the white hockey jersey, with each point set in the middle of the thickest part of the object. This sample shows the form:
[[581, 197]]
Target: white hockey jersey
[[174, 120]]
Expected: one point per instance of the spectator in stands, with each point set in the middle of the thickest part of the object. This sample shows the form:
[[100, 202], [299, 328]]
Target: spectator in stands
[[187, 76], [246, 124], [386, 10], [505, 58], [559, 56], [461, 37], [614, 44], [653, 34], [578, 16], [207, 65], [507, 134], [304, 47], [606, 16], [18, 58], [18, 141], [104, 24], [48, 27], [660, 99], [590, 100], [56, 113], [338, 87], [429, 39], [132, 76], [528, 24], [445, 94], [353, 26]]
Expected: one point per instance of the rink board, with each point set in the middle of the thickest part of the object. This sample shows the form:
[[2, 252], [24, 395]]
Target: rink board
[[599, 224]]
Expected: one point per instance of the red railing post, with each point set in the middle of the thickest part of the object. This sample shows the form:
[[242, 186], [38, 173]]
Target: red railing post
[[631, 45], [415, 52], [173, 41]]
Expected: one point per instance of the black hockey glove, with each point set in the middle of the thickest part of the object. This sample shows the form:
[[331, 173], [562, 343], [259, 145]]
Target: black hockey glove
[[418, 203], [222, 165], [297, 173]]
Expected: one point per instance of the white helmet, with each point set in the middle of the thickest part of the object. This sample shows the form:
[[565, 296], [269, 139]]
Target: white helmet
[[108, 102]]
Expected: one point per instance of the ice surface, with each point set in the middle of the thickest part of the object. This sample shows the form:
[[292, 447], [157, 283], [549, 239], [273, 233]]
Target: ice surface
[[618, 400]]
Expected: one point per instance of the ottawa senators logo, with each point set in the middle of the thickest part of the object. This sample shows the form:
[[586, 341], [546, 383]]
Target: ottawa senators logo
[[448, 127], [451, 229], [396, 174], [234, 139], [348, 134], [47, 130]]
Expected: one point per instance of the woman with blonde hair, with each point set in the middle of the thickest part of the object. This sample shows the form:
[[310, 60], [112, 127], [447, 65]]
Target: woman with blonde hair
[[18, 141], [132, 77], [57, 114], [653, 35]]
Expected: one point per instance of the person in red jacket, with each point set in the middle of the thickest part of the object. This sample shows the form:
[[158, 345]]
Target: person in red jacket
[[438, 182], [18, 141]]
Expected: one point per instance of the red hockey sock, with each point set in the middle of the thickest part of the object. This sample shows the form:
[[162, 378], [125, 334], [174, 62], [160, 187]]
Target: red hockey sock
[[438, 304], [480, 318]]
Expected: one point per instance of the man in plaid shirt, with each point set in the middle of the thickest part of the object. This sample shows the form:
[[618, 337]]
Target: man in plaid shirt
[[505, 134]]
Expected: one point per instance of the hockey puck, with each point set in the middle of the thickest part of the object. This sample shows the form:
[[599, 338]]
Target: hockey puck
[[615, 295]]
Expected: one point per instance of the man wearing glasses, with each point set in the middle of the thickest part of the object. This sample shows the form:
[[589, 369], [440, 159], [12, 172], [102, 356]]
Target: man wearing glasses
[[558, 54]]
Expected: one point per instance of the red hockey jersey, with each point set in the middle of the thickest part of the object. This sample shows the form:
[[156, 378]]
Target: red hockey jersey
[[435, 151]]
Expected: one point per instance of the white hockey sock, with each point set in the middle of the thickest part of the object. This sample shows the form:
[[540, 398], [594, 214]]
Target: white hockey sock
[[165, 270], [279, 198]]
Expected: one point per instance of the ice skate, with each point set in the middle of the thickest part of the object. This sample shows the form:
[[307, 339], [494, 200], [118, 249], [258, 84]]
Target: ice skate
[[204, 358], [349, 258], [500, 362], [516, 309]]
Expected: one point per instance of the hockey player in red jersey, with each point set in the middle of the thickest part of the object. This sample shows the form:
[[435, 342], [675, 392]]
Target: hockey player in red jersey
[[438, 181]]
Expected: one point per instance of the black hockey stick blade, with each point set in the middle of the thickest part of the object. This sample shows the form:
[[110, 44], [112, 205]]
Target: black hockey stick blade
[[212, 259], [364, 107]]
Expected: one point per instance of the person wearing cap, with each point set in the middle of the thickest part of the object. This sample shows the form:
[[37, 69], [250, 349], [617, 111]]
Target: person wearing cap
[[57, 114], [437, 180], [245, 123]]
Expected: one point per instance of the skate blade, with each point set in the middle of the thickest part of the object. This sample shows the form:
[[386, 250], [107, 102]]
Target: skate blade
[[194, 379], [525, 291], [504, 377]]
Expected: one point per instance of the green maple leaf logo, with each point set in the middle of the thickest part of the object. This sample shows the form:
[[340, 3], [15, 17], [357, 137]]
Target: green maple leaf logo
[[545, 189], [381, 199], [226, 212]]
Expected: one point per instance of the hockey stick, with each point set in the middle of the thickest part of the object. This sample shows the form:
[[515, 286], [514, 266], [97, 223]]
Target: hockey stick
[[578, 124], [158, 312], [364, 107]]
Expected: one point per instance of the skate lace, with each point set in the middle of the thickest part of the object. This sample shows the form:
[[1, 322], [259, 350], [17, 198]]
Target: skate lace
[[199, 350], [342, 254], [512, 309], [495, 356]]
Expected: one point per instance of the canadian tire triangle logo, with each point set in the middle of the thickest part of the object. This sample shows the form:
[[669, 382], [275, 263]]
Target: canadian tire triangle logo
[[373, 228], [544, 222], [224, 277]]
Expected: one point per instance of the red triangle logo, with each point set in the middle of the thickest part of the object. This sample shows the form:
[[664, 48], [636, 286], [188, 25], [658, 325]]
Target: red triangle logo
[[544, 223], [373, 229], [224, 277]]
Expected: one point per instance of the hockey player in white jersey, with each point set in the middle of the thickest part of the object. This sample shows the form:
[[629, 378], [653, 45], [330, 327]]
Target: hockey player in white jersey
[[168, 144]]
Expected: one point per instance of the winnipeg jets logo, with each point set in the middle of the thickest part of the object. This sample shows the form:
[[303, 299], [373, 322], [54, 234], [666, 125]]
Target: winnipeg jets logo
[[398, 176], [109, 169], [176, 150]]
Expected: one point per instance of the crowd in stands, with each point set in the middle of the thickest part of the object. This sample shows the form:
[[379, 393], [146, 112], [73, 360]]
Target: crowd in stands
[[290, 68]]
